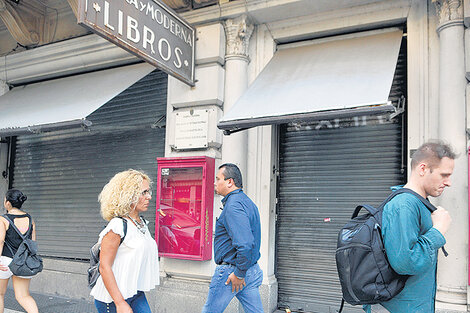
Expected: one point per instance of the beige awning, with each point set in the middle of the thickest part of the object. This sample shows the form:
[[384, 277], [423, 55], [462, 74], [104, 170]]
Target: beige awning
[[65, 102], [330, 78]]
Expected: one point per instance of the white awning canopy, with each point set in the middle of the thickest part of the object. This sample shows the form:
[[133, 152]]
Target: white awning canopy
[[64, 102], [330, 78]]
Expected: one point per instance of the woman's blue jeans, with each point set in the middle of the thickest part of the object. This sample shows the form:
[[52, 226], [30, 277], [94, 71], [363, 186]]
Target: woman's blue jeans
[[138, 304], [220, 294]]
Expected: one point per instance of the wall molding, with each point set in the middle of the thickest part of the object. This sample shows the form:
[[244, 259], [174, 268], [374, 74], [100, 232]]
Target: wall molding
[[73, 56]]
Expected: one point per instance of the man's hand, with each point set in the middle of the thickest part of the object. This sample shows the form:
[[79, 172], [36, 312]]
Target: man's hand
[[441, 220], [237, 284]]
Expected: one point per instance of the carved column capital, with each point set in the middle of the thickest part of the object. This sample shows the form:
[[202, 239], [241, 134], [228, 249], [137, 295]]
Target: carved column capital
[[74, 6], [238, 32], [449, 12], [16, 25], [28, 22]]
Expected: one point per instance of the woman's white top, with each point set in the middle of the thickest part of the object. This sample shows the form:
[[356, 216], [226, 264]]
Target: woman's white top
[[136, 264]]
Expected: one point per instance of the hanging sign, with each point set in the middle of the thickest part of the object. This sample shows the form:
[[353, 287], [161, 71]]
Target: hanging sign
[[148, 29]]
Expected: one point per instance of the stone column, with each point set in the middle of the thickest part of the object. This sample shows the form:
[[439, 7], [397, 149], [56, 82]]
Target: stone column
[[237, 32], [3, 153], [452, 271], [3, 88]]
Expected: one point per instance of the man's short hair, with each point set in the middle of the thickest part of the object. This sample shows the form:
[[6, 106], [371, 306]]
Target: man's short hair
[[232, 171], [432, 152]]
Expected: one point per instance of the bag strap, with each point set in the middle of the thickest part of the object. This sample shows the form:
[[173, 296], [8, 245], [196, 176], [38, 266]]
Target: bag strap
[[376, 212], [369, 208], [342, 305], [5, 242], [23, 237], [425, 201], [124, 225]]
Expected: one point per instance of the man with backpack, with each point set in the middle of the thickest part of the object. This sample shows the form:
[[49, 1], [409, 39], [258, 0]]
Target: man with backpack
[[412, 235]]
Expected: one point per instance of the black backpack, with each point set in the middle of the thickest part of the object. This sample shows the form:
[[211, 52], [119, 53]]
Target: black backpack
[[26, 262], [94, 269], [364, 272]]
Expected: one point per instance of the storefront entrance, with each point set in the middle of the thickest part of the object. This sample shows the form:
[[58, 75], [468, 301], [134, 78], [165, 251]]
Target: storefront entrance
[[62, 172], [326, 169]]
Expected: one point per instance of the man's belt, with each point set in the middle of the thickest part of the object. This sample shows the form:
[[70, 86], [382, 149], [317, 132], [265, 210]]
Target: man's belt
[[224, 263]]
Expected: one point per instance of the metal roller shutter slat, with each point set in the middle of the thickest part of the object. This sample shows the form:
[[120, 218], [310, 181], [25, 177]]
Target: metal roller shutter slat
[[62, 172], [324, 174]]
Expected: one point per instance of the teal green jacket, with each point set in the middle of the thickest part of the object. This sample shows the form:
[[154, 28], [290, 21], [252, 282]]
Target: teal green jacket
[[411, 244]]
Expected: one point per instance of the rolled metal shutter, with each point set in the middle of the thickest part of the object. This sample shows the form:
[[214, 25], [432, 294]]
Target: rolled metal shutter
[[327, 168], [63, 172], [324, 175]]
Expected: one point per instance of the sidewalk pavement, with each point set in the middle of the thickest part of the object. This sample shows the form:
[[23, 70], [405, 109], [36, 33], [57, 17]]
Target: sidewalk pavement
[[49, 304]]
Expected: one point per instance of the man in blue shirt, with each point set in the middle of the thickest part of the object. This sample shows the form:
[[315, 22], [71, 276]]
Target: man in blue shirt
[[412, 235], [236, 247]]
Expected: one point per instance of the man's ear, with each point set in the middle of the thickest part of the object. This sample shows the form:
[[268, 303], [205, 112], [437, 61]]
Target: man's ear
[[421, 167], [230, 182]]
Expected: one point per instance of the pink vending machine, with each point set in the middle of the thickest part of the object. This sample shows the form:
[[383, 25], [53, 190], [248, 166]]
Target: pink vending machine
[[185, 198]]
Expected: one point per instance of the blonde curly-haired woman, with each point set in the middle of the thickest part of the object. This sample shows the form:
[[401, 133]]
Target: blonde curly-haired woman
[[131, 267]]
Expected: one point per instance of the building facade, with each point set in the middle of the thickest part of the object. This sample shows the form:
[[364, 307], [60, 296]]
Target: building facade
[[325, 101]]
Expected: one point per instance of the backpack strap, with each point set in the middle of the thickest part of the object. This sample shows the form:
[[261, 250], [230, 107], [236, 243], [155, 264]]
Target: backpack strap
[[369, 208], [375, 211], [342, 306], [23, 237], [425, 201], [124, 225], [378, 212]]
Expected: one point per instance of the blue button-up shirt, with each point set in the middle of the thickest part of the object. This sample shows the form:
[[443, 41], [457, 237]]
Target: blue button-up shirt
[[412, 245], [238, 233]]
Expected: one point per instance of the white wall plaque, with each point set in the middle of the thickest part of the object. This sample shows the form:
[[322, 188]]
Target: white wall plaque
[[191, 129]]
